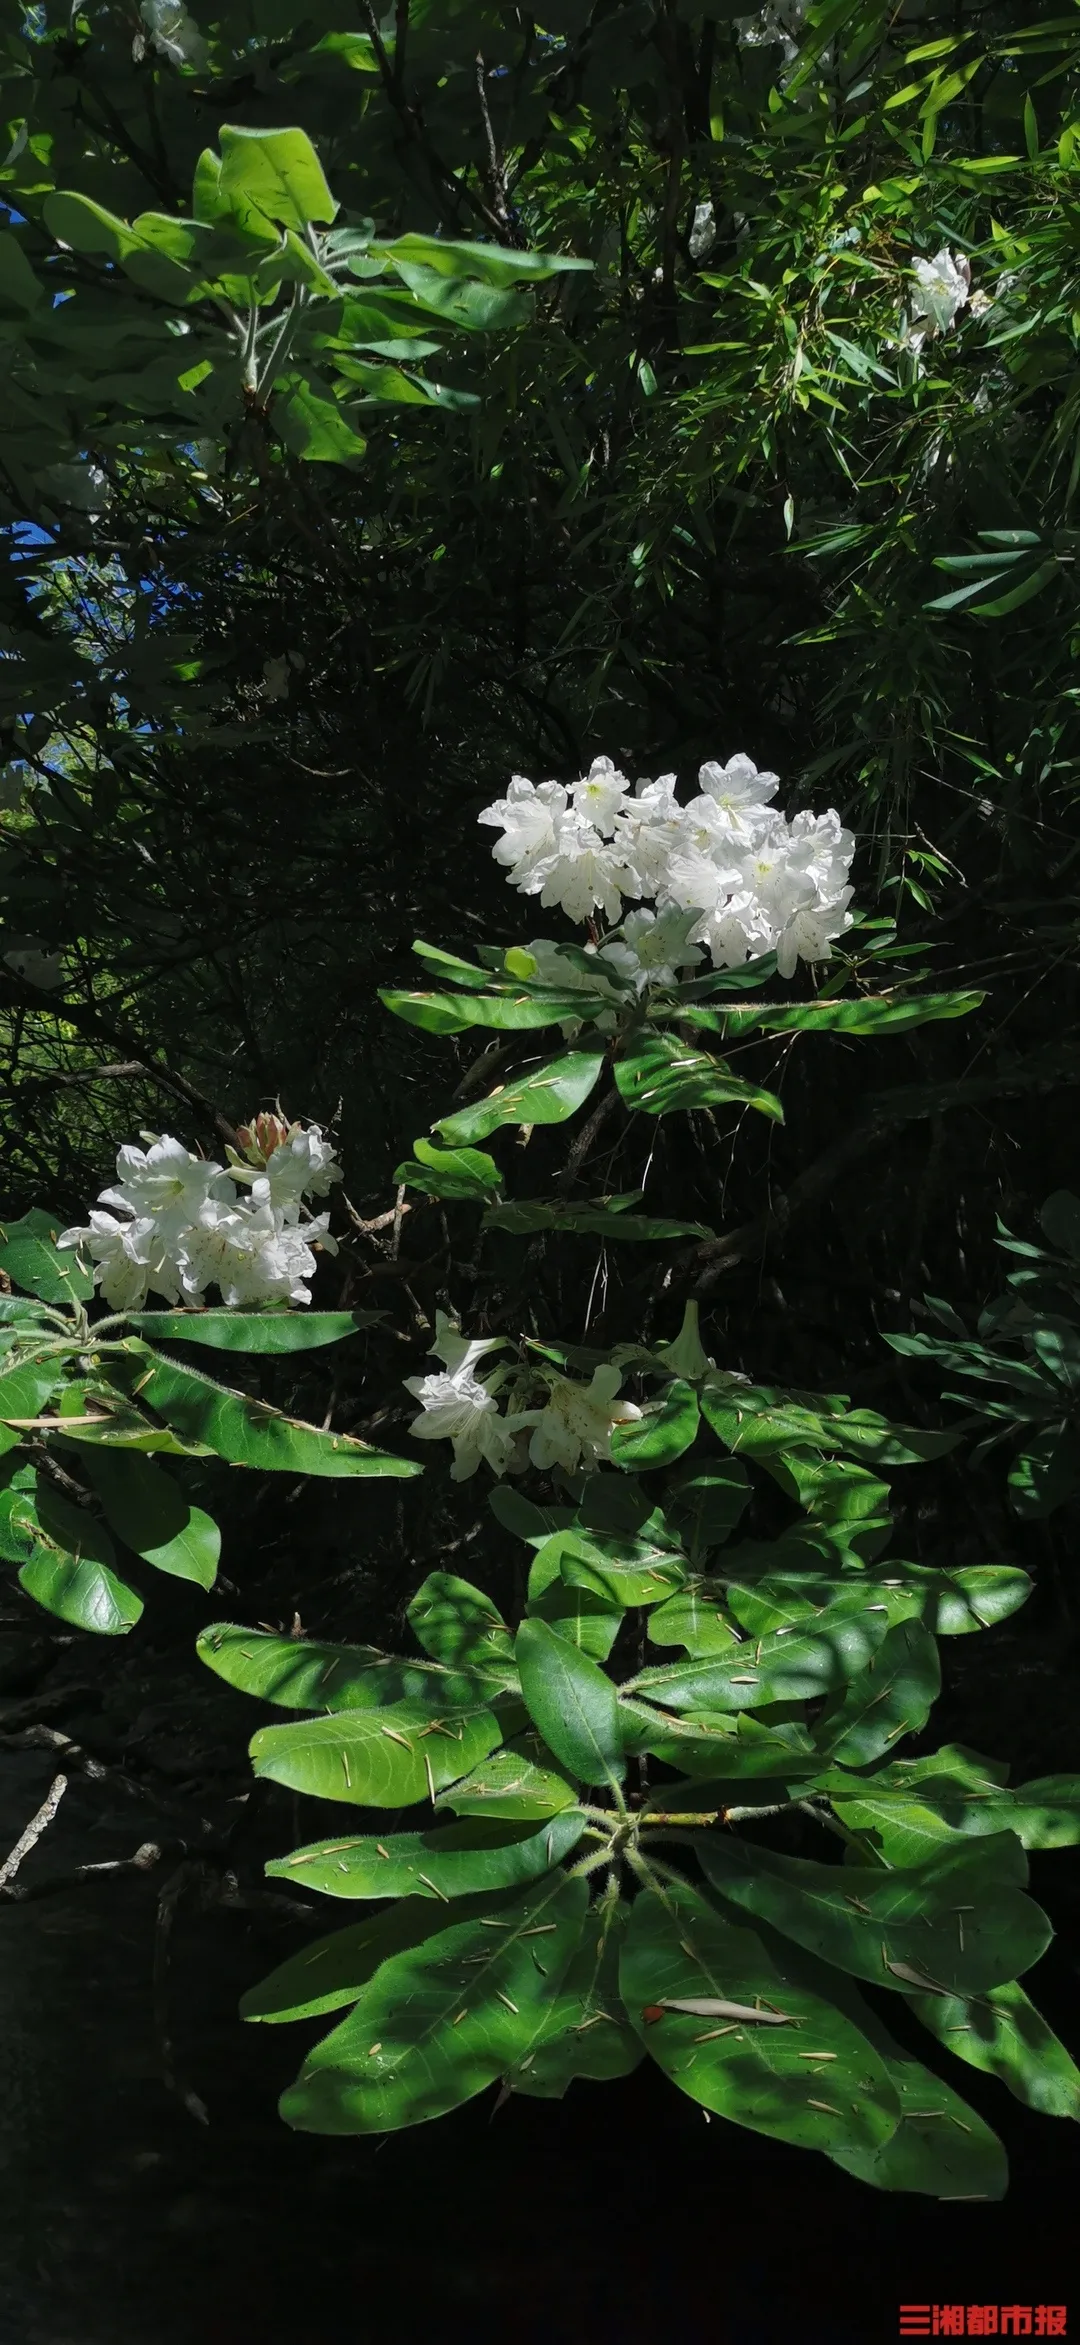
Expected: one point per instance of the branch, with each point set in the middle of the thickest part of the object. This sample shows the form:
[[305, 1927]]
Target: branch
[[37, 1825]]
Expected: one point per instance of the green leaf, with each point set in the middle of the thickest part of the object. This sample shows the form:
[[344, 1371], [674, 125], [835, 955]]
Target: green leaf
[[547, 1096], [694, 1618], [536, 1524], [249, 1433], [333, 1971], [705, 1508], [275, 175], [460, 1626], [385, 1758], [1046, 1474], [956, 1603], [522, 1783], [445, 2018], [450, 1172], [301, 1675], [444, 1013], [661, 1075], [583, 2029], [621, 1572], [941, 2148], [1002, 2033], [868, 1014], [253, 1331], [959, 1920], [311, 423], [23, 1393], [912, 1807], [527, 1215], [449, 1861], [589, 1616], [572, 1702], [680, 1947], [894, 1696], [70, 1569], [152, 1516], [664, 1432], [493, 264], [777, 1668], [29, 1255]]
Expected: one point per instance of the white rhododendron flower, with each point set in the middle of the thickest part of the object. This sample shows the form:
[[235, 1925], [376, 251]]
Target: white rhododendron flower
[[173, 32], [179, 1224], [574, 1427], [727, 871], [459, 1407], [130, 1258], [702, 231], [166, 1182], [941, 290], [249, 1254]]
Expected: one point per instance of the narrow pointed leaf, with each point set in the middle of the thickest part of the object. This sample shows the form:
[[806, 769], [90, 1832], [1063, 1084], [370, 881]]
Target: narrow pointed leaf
[[572, 1702], [440, 2021], [451, 1860], [386, 1758]]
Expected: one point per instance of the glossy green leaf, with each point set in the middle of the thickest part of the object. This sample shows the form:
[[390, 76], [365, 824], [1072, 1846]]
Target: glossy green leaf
[[70, 1570], [332, 1971], [777, 1668], [694, 1618], [446, 1013], [386, 1758], [620, 1571], [664, 1432], [757, 2074], [867, 1014], [583, 2030], [910, 1809], [894, 1696], [572, 1702], [461, 1627], [300, 1674], [524, 1218], [31, 1258], [547, 1095], [661, 1075], [450, 1172], [705, 1508], [440, 2021], [942, 2148], [275, 174], [249, 1433], [522, 1783], [588, 1616], [1000, 2032], [253, 1331], [960, 1921], [148, 1510], [24, 1391], [451, 1860], [518, 1514]]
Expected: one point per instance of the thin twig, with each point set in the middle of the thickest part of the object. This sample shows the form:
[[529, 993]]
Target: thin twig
[[37, 1825]]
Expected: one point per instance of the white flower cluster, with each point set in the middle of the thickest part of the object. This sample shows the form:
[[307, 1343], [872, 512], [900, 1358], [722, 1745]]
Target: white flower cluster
[[573, 1427], [941, 290], [746, 880], [173, 32], [179, 1224]]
